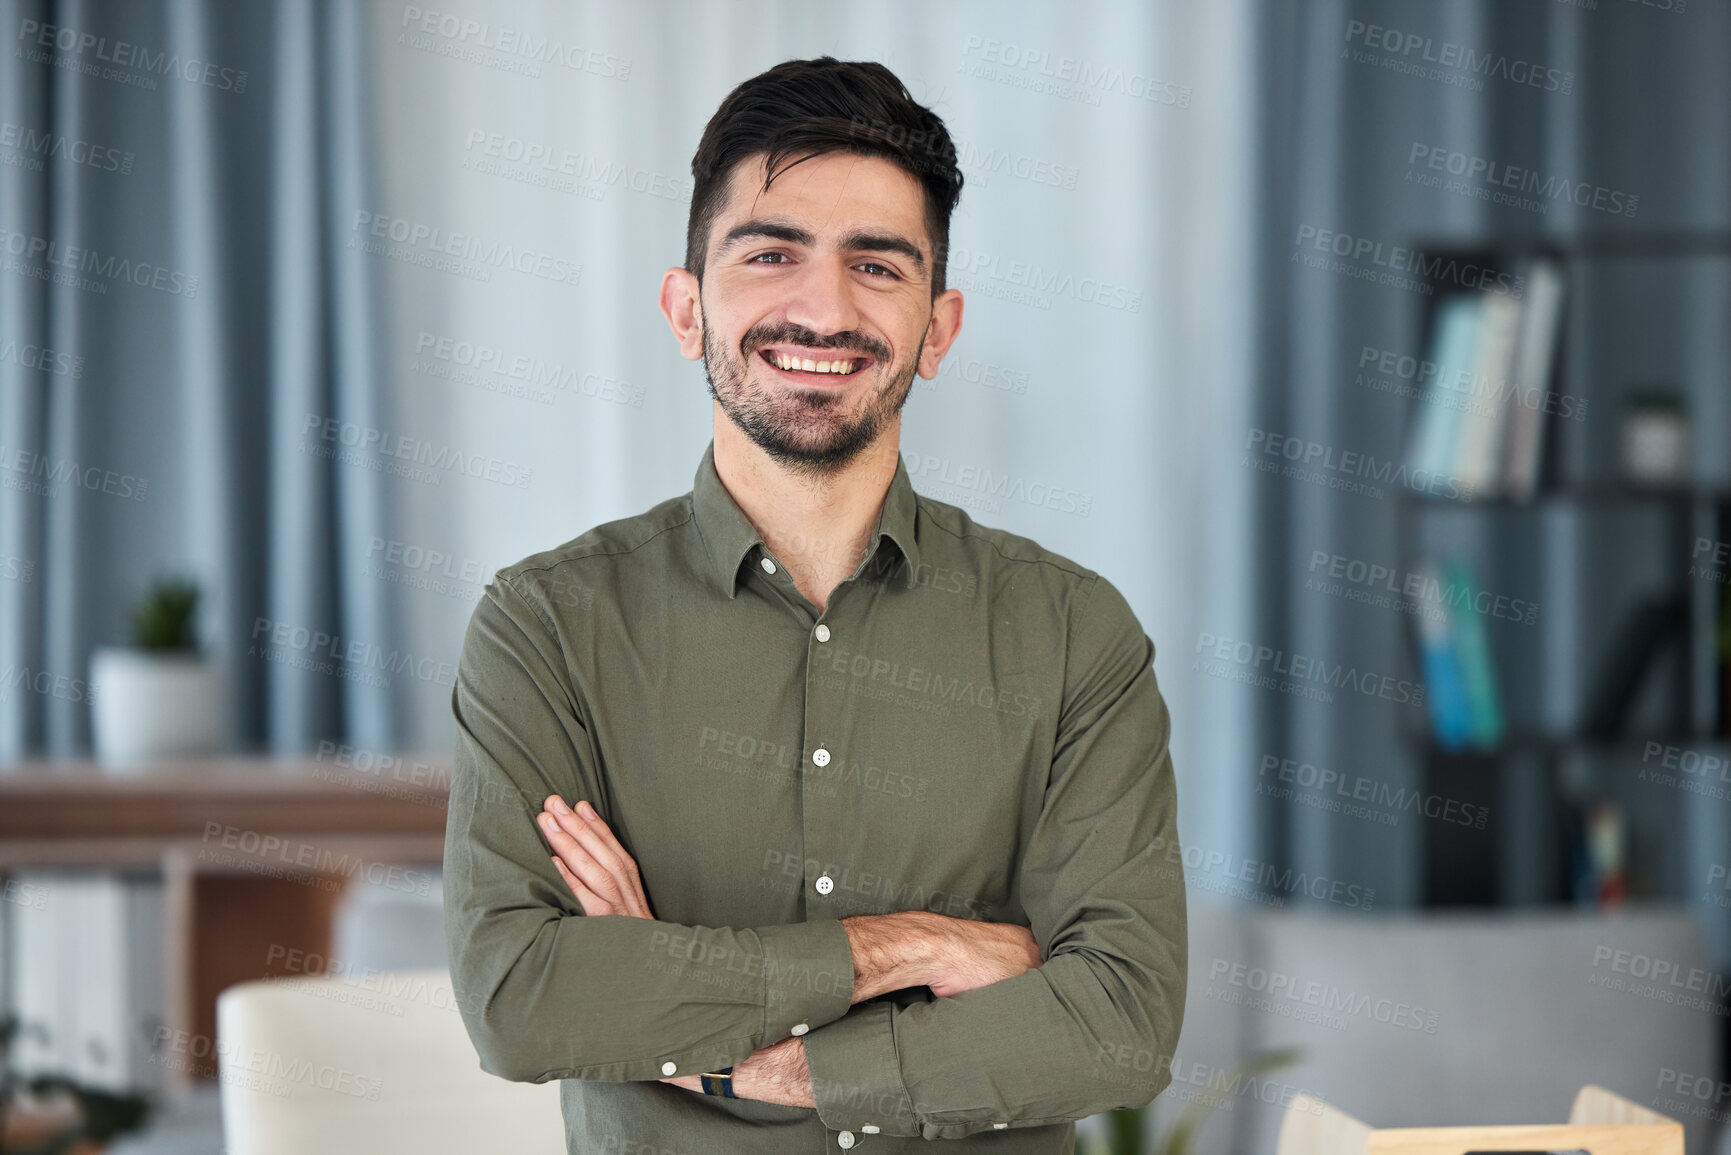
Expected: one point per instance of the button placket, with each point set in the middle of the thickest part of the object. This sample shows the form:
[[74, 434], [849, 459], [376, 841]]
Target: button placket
[[831, 834]]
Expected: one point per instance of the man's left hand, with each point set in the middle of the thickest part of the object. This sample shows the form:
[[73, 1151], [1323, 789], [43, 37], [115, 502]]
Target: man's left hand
[[776, 1074], [602, 876]]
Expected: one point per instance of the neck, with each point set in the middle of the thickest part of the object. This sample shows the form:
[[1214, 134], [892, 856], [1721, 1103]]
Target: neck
[[818, 526]]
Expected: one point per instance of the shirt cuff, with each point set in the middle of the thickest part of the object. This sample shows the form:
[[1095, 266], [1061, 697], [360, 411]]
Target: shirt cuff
[[856, 1078], [807, 976]]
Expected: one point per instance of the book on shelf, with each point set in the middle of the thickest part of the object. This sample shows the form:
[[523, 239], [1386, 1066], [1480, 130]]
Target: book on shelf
[[1478, 672], [1455, 659], [1599, 840], [1534, 356], [1436, 426], [1476, 464], [1439, 661], [1490, 358]]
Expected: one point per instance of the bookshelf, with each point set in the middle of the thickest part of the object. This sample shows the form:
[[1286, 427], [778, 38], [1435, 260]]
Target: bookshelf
[[1528, 768]]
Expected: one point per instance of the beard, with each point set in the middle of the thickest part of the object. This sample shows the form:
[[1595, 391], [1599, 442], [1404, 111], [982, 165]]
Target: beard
[[808, 431]]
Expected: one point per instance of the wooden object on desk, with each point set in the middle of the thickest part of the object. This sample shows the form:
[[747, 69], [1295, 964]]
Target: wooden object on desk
[[254, 852], [1600, 1122], [63, 811]]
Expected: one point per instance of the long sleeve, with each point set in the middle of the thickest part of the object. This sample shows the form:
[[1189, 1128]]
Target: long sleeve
[[1094, 1027], [545, 991]]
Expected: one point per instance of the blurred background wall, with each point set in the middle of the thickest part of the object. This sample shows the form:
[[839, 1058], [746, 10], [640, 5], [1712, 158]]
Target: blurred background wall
[[350, 305]]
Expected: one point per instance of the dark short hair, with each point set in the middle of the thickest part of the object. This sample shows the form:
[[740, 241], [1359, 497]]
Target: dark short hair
[[802, 109]]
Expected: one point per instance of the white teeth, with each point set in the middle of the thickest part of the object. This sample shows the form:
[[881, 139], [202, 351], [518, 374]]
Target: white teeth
[[808, 366]]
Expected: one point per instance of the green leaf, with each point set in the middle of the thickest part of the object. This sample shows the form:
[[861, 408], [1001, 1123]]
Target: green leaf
[[162, 620], [1190, 1120]]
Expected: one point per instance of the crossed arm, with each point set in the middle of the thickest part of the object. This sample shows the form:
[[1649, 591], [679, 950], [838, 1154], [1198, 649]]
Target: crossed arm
[[1033, 1038], [890, 951]]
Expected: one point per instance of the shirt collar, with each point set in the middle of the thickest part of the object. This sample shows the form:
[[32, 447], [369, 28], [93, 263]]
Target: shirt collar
[[730, 537]]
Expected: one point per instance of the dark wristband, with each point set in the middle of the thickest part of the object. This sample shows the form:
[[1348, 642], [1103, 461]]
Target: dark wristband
[[719, 1083]]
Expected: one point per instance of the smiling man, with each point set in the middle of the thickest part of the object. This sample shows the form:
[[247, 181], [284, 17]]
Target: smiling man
[[800, 812]]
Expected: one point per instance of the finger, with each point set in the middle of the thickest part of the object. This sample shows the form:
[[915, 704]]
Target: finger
[[596, 834], [605, 850], [600, 843], [594, 875], [592, 903], [633, 878]]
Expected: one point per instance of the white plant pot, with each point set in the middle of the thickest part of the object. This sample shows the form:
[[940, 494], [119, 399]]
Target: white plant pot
[[147, 705]]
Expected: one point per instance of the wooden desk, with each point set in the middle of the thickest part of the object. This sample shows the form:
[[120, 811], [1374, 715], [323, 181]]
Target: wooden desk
[[254, 851]]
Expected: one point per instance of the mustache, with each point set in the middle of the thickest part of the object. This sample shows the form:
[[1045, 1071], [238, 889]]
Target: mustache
[[847, 342]]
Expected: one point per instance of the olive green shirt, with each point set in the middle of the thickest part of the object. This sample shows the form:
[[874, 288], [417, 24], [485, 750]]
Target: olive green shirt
[[972, 727]]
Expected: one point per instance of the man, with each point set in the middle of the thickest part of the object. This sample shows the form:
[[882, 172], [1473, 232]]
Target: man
[[849, 809]]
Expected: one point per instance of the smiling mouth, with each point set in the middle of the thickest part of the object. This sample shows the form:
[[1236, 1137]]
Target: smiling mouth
[[810, 367]]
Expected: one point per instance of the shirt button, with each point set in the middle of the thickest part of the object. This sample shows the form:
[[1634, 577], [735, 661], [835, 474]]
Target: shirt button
[[820, 757], [844, 1140], [798, 1029], [822, 632], [669, 1068], [825, 885], [999, 1126], [870, 1128], [768, 566]]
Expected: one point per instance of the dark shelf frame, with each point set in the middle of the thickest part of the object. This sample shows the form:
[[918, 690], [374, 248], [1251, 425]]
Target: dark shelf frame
[[1459, 867]]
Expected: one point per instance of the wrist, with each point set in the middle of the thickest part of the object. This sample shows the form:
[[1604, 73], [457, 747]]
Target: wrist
[[775, 1074], [892, 951]]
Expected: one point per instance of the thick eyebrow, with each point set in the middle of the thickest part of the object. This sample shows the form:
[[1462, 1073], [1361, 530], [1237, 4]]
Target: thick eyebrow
[[793, 234]]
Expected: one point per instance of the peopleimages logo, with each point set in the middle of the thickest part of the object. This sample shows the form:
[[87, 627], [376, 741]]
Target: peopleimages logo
[[123, 55], [1349, 470], [375, 448], [1464, 389], [1422, 593], [418, 240], [1069, 77], [38, 473], [973, 480], [1348, 790], [1526, 183], [525, 47], [1389, 263], [1033, 284], [1328, 997], [1218, 656], [1456, 63], [1287, 882], [35, 143], [46, 253]]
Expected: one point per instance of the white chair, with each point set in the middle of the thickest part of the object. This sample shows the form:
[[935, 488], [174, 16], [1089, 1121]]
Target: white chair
[[1600, 1122], [376, 1064]]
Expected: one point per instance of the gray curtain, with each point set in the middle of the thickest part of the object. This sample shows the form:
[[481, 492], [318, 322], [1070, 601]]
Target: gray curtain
[[176, 180]]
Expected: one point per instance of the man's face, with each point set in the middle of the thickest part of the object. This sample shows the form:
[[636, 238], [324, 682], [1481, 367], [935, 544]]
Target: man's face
[[816, 299]]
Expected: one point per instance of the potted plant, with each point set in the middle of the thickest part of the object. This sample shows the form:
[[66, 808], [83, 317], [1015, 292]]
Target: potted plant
[[160, 696]]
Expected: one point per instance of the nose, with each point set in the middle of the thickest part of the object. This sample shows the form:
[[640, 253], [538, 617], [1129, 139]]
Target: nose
[[822, 297]]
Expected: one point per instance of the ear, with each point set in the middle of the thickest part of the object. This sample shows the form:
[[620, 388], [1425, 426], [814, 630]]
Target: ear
[[941, 331], [681, 305]]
